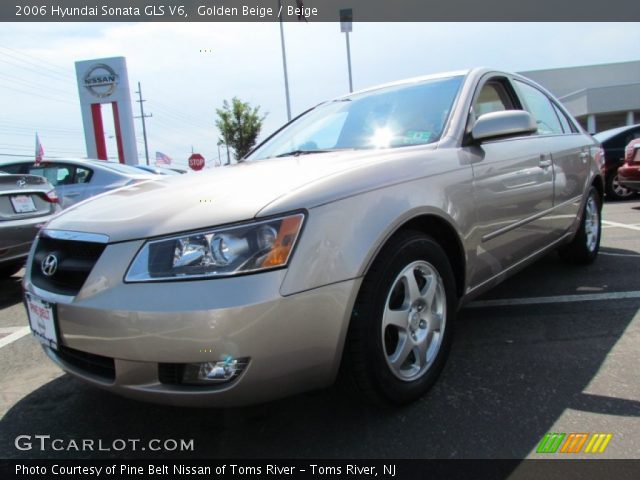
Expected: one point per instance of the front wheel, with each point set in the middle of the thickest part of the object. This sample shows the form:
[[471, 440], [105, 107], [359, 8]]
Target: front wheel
[[402, 323], [584, 247]]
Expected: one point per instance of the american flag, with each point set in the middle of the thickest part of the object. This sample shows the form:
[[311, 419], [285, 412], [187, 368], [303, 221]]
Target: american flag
[[162, 159], [39, 150]]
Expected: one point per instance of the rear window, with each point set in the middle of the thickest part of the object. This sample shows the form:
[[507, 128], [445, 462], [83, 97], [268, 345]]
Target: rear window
[[14, 168], [55, 174]]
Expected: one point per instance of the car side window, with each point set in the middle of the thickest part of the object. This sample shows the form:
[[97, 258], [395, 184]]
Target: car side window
[[492, 98], [631, 136], [541, 108], [56, 174], [82, 175]]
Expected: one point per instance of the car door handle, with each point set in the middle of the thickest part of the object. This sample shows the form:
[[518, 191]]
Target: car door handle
[[545, 162]]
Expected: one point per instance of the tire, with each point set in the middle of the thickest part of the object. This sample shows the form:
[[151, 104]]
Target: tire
[[584, 247], [615, 191], [391, 321], [11, 269]]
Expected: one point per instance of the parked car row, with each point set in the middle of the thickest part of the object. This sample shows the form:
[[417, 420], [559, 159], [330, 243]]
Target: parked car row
[[26, 203], [613, 142], [629, 173], [31, 193], [76, 180], [346, 241]]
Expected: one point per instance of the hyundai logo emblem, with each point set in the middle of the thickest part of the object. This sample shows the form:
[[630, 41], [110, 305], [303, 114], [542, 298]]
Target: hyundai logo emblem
[[49, 265], [22, 182]]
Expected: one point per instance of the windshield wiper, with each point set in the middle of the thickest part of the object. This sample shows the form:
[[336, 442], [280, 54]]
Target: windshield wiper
[[295, 153]]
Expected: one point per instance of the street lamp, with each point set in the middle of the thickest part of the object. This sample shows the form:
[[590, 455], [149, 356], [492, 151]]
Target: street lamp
[[346, 21]]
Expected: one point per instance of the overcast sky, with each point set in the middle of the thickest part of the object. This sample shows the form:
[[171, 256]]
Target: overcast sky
[[183, 86]]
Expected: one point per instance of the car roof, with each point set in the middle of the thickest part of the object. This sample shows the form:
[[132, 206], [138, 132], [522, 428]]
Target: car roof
[[112, 166], [609, 134]]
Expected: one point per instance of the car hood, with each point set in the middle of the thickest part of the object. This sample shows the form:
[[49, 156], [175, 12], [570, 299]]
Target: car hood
[[215, 197]]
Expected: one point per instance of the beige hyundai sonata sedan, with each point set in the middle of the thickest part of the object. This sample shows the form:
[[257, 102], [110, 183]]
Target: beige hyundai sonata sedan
[[347, 240]]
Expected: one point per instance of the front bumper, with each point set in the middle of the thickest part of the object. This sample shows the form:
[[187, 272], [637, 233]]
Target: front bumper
[[293, 343]]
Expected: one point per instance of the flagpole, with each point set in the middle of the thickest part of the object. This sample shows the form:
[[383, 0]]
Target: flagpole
[[284, 63]]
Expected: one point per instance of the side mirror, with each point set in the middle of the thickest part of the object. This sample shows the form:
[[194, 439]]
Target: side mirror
[[503, 124]]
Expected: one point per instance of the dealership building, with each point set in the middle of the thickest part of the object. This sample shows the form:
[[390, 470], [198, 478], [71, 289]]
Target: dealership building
[[600, 97]]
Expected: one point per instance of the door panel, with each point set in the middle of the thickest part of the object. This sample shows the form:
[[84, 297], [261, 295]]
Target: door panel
[[571, 162], [514, 198]]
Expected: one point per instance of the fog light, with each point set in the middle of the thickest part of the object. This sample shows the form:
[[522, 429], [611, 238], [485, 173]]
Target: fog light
[[213, 372], [224, 370]]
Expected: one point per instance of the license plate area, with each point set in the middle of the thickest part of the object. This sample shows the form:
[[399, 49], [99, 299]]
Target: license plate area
[[22, 204], [42, 320]]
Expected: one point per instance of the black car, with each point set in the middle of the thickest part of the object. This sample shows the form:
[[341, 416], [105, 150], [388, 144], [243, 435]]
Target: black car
[[613, 142]]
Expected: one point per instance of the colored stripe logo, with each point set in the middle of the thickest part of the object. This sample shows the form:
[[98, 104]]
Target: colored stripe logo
[[574, 442]]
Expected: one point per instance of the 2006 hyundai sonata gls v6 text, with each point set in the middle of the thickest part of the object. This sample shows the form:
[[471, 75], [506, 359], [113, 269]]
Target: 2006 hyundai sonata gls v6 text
[[349, 238]]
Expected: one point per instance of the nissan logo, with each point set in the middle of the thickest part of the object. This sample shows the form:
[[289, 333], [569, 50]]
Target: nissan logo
[[49, 265], [22, 182], [101, 80]]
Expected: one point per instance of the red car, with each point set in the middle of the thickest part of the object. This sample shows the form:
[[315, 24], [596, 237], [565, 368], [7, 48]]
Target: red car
[[629, 173]]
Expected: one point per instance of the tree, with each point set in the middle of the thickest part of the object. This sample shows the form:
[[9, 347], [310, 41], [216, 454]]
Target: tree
[[239, 124]]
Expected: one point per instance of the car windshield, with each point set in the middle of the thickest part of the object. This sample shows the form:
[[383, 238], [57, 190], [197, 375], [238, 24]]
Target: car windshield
[[389, 117]]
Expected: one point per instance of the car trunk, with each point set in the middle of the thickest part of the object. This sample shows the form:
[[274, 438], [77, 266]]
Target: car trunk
[[23, 197]]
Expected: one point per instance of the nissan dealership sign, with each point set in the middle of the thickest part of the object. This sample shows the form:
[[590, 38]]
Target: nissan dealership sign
[[101, 80], [104, 82]]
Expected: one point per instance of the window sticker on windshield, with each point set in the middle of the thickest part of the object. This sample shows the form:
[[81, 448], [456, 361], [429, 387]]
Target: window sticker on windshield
[[413, 137]]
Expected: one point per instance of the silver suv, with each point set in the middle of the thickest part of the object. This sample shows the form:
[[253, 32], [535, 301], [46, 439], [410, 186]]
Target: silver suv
[[349, 238]]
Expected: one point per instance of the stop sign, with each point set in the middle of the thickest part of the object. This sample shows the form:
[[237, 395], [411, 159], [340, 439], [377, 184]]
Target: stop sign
[[196, 161]]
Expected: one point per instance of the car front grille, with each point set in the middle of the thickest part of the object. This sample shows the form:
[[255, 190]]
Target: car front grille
[[74, 259], [98, 365], [170, 373]]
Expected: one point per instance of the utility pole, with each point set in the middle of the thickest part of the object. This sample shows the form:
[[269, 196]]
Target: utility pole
[[143, 116]]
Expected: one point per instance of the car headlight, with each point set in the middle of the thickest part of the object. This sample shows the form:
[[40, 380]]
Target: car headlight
[[218, 252]]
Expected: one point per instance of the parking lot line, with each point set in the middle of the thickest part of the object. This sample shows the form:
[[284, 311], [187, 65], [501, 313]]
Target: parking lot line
[[16, 335], [503, 302], [620, 254], [620, 225]]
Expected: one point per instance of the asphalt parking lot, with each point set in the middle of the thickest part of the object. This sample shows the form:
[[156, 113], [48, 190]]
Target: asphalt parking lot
[[530, 357]]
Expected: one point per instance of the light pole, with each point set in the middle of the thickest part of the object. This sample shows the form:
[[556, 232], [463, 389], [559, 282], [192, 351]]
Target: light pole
[[284, 63], [346, 21]]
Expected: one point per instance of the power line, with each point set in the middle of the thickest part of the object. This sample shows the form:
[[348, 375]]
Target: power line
[[20, 62], [39, 59], [37, 94], [30, 84], [181, 117]]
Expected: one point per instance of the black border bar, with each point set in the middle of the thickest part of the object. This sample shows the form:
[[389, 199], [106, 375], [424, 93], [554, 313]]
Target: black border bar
[[560, 468], [319, 10]]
